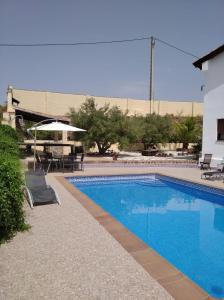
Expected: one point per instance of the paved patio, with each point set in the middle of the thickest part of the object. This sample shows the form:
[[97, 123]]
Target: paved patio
[[67, 254]]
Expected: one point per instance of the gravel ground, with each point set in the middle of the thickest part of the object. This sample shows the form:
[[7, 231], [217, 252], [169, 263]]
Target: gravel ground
[[68, 255]]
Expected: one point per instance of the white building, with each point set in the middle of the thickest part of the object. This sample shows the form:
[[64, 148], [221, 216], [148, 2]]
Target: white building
[[212, 66]]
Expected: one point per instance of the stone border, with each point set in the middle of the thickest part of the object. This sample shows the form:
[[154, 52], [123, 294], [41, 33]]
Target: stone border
[[174, 281]]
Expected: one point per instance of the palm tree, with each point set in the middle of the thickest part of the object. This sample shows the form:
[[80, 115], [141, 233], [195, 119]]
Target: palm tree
[[188, 130]]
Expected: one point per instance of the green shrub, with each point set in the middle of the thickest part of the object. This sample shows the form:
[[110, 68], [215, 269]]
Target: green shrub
[[8, 146], [8, 141], [11, 198], [11, 195], [6, 130]]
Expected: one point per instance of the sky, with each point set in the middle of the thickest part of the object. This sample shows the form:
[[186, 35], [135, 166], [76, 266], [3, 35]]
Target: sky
[[120, 69]]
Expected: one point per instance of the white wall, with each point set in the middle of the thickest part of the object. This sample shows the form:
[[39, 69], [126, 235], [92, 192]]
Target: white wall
[[213, 107]]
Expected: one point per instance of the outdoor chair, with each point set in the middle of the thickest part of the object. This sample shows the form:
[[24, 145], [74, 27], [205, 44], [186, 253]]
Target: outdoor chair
[[78, 163], [216, 174], [41, 161], [73, 163], [46, 162], [205, 164], [68, 162], [55, 161], [38, 192]]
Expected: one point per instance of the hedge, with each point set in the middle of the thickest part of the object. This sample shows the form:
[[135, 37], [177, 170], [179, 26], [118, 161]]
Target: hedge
[[8, 146], [12, 217], [9, 132]]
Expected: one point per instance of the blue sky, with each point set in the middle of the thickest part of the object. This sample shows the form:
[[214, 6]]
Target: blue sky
[[120, 70]]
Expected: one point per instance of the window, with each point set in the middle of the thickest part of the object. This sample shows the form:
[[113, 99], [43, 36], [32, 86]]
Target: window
[[220, 129]]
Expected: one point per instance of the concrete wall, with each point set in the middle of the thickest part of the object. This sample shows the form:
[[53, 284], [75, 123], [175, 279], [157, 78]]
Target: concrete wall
[[58, 104], [213, 71]]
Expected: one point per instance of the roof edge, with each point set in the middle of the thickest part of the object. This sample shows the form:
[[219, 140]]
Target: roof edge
[[198, 63]]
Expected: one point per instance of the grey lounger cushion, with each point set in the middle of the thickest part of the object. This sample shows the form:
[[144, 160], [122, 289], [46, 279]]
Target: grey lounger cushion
[[37, 189]]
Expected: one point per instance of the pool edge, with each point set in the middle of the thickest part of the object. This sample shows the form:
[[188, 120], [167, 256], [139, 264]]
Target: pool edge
[[169, 277]]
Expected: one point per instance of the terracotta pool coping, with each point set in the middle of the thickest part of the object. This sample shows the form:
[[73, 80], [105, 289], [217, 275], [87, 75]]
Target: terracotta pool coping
[[174, 281]]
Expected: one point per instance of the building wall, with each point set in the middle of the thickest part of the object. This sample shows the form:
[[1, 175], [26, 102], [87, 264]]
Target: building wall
[[213, 71], [60, 104]]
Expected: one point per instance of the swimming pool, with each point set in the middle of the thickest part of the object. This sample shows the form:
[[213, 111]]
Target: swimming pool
[[183, 222]]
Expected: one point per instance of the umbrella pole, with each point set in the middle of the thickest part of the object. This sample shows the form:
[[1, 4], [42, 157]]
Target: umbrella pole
[[34, 152]]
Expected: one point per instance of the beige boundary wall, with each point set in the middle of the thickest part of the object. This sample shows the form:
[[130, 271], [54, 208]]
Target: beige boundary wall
[[59, 104]]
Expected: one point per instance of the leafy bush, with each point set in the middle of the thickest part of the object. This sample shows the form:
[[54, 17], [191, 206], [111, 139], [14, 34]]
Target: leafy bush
[[9, 132], [8, 146], [11, 195]]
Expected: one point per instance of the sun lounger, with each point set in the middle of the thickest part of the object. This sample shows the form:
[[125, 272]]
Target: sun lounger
[[37, 190], [217, 174], [205, 164]]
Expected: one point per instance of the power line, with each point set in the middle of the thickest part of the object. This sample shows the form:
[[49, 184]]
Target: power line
[[172, 46], [75, 44], [96, 43]]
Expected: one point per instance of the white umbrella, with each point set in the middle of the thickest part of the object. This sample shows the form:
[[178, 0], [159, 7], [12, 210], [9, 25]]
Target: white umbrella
[[54, 126]]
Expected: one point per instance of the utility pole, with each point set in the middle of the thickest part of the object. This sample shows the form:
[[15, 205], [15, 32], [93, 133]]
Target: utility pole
[[151, 79]]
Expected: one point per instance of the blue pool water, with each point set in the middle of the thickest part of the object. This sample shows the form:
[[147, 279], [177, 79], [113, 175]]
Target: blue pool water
[[181, 221]]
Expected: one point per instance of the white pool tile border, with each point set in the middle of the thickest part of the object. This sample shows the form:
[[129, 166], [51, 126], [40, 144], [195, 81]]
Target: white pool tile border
[[152, 177]]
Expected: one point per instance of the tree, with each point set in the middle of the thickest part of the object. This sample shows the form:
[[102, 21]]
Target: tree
[[105, 126], [188, 130], [154, 129]]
